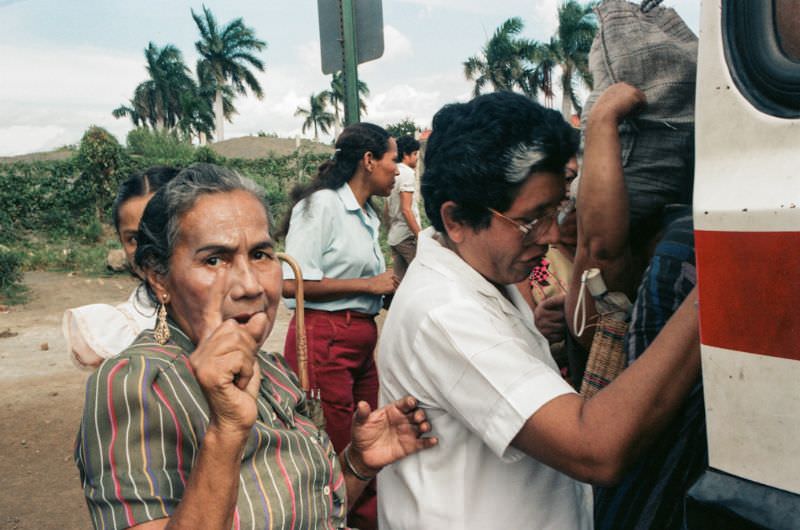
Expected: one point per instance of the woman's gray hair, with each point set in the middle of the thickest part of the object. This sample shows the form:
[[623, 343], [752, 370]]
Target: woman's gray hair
[[159, 227]]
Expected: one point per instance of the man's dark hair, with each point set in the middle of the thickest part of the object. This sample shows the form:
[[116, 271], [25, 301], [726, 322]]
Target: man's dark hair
[[481, 152], [406, 145], [139, 184]]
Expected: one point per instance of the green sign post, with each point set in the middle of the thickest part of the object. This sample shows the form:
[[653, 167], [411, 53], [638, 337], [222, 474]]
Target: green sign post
[[351, 107], [351, 33]]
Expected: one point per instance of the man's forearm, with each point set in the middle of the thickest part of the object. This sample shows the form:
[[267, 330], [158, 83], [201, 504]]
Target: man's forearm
[[602, 200], [406, 199]]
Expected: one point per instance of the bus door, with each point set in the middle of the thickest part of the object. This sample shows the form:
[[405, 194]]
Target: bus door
[[747, 234]]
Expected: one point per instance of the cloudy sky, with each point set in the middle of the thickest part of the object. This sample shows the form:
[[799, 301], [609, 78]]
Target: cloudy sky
[[67, 63]]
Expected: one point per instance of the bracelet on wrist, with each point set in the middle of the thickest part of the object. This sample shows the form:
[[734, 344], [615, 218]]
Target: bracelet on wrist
[[350, 467]]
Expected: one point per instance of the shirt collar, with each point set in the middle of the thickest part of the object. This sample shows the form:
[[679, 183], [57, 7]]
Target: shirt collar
[[436, 256], [350, 203], [348, 198]]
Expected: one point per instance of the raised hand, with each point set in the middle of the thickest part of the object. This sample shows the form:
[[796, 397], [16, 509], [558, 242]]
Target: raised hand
[[549, 318], [388, 434], [225, 363], [618, 101]]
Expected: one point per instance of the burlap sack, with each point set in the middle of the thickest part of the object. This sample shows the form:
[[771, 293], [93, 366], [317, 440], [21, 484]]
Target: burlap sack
[[656, 52]]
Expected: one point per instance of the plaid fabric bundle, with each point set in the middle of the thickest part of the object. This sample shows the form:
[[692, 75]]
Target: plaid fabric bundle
[[655, 51]]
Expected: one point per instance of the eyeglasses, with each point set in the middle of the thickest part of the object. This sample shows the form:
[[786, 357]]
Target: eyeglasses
[[536, 228]]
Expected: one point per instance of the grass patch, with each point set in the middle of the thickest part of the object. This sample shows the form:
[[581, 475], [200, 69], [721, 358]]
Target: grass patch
[[14, 294], [38, 252]]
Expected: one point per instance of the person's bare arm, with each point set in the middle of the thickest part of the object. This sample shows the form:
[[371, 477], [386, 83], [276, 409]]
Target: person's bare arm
[[406, 200], [334, 288], [602, 205], [382, 437], [594, 440]]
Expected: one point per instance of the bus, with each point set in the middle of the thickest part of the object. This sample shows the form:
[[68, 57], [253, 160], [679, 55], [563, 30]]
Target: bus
[[747, 237]]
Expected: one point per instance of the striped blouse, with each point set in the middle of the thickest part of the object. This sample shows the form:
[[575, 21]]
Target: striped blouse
[[143, 423]]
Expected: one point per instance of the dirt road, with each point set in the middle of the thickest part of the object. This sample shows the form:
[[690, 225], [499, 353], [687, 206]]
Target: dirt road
[[41, 397]]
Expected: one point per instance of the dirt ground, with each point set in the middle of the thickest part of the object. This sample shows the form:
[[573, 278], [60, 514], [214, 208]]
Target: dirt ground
[[41, 397]]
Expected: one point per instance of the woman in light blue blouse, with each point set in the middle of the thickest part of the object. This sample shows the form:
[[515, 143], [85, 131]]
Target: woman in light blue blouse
[[333, 234]]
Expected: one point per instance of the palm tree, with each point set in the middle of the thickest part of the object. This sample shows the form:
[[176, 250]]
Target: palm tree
[[157, 101], [577, 25], [197, 116], [169, 78], [130, 110], [504, 61], [336, 97], [227, 53], [317, 115], [545, 57]]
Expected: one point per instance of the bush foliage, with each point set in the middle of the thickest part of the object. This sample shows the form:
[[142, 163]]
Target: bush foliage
[[56, 214]]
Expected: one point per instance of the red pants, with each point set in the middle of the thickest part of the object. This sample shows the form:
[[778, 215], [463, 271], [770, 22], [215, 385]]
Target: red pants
[[341, 364]]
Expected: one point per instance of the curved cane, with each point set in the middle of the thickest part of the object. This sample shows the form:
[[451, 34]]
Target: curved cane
[[299, 320]]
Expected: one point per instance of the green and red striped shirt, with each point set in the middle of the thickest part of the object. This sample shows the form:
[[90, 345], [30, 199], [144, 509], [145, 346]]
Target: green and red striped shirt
[[143, 423]]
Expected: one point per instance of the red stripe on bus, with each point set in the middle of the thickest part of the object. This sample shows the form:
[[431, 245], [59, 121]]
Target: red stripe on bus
[[749, 291]]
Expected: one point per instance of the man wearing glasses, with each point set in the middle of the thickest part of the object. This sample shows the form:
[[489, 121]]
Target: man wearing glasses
[[517, 444]]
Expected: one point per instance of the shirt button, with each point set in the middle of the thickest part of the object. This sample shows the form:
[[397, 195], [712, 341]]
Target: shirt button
[[326, 490]]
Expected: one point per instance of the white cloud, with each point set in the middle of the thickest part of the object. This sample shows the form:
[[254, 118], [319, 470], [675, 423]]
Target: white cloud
[[68, 76], [396, 44], [479, 7], [51, 95], [20, 139]]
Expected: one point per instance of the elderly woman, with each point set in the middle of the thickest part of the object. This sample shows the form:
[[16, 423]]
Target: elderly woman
[[193, 426]]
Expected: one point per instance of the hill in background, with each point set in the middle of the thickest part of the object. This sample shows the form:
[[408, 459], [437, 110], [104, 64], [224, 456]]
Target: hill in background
[[247, 147]]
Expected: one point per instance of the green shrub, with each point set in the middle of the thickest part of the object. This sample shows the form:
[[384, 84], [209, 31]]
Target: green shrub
[[101, 162], [207, 155], [10, 268], [159, 147], [55, 214]]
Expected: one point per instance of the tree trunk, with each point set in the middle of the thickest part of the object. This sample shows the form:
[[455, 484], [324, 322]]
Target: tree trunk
[[219, 117], [566, 101], [335, 122], [566, 106]]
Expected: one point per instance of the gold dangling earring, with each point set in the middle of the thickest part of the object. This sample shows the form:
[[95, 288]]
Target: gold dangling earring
[[161, 333]]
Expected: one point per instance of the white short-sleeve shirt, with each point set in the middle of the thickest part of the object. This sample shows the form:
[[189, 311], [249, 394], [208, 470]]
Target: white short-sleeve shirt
[[398, 226], [331, 236], [96, 332], [480, 368]]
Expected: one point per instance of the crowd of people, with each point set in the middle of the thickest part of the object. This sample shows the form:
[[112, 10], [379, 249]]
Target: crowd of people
[[465, 412]]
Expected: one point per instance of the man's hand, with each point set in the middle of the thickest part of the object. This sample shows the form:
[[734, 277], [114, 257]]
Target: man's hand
[[549, 318], [617, 102]]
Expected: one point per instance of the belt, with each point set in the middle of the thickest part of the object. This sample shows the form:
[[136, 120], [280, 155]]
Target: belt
[[347, 314]]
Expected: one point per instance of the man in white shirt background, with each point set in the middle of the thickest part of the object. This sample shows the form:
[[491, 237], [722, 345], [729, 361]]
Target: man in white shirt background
[[403, 207]]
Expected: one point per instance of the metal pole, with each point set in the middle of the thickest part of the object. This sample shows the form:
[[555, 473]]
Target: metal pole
[[351, 107]]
